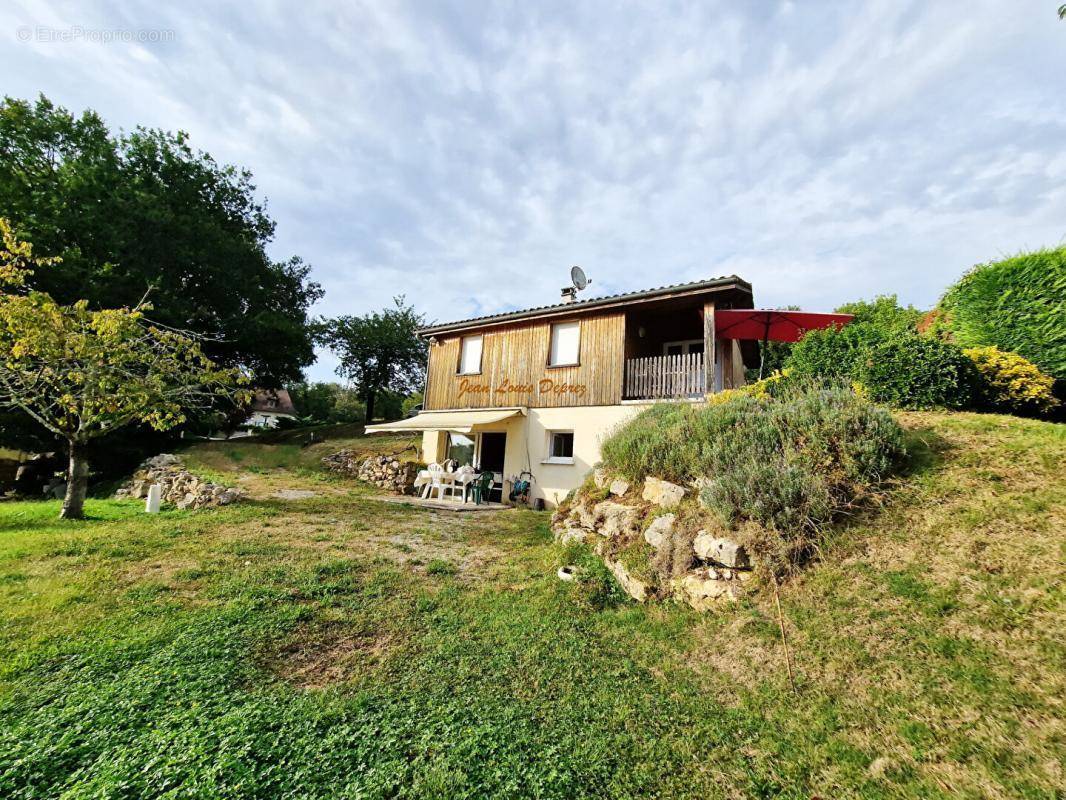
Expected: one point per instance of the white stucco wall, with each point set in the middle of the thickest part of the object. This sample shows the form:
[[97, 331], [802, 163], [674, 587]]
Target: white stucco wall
[[527, 444]]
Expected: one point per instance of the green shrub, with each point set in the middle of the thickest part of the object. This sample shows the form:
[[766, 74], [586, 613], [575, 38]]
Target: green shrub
[[835, 352], [912, 371], [788, 462], [901, 369], [1011, 383], [1017, 305]]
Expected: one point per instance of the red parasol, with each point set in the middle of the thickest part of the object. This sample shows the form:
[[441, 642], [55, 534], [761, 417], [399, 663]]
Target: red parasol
[[771, 325], [768, 325]]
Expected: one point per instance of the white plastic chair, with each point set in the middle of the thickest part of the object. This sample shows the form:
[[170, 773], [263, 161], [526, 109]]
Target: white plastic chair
[[436, 481], [463, 478]]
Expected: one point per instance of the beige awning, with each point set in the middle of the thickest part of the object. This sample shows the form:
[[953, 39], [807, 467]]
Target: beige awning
[[459, 421]]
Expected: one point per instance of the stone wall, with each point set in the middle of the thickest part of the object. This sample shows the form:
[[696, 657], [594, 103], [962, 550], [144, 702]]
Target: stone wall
[[386, 472], [614, 517], [178, 486]]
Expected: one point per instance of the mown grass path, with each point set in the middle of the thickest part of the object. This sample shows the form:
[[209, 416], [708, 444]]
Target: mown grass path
[[338, 647]]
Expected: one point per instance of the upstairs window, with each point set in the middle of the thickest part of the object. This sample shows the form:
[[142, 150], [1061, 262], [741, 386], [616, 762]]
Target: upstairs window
[[566, 344], [470, 357]]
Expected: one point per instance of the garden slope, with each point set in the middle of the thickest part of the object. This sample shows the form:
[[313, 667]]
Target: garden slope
[[139, 655]]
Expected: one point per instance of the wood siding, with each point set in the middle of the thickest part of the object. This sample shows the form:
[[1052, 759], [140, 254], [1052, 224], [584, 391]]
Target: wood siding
[[515, 371]]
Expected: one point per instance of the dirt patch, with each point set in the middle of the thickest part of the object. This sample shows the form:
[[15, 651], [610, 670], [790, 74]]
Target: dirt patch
[[318, 656], [294, 494]]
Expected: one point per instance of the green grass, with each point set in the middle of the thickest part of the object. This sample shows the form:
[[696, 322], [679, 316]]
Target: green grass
[[336, 647]]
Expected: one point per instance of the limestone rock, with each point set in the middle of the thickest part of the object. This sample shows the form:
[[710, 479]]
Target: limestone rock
[[571, 532], [659, 530], [614, 519], [385, 472], [633, 586], [619, 487], [600, 477], [177, 485], [663, 493], [706, 589], [721, 551]]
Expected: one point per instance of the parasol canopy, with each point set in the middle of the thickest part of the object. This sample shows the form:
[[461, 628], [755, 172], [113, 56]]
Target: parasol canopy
[[772, 325]]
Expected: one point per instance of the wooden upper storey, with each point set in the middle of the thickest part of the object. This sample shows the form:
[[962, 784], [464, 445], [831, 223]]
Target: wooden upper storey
[[516, 367]]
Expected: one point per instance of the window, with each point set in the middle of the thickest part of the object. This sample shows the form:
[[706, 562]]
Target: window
[[566, 343], [687, 347], [460, 448], [560, 447], [470, 357]]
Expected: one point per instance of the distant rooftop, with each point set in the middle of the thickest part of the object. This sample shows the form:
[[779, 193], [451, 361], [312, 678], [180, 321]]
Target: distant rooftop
[[695, 287], [273, 400]]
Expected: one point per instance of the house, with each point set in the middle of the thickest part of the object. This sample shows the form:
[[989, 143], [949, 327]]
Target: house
[[268, 406], [537, 390]]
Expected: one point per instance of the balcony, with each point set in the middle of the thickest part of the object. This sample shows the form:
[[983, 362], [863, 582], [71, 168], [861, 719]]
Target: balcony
[[664, 377]]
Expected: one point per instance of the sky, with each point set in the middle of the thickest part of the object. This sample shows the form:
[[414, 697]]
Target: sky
[[466, 154]]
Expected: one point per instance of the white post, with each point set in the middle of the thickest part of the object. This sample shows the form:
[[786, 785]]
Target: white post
[[151, 505]]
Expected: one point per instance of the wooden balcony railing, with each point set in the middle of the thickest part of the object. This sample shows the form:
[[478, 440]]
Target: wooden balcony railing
[[664, 377]]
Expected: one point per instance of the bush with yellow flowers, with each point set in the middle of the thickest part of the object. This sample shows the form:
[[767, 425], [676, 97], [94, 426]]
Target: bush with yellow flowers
[[1011, 383]]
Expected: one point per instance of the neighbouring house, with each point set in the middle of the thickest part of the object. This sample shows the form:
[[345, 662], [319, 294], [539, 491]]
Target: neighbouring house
[[268, 406], [537, 390]]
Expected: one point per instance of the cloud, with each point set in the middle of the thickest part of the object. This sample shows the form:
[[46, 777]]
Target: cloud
[[466, 156]]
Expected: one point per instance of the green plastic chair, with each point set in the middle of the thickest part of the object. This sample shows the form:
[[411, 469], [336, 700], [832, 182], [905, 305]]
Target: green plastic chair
[[482, 487]]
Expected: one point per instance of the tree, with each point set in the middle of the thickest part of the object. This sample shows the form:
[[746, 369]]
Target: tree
[[82, 373], [326, 402], [883, 312], [143, 209], [379, 352]]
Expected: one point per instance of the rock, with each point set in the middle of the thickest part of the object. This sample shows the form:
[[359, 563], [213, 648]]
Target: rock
[[385, 472], [162, 460], [227, 497], [660, 529], [663, 493], [600, 477], [570, 533], [614, 519], [706, 589], [721, 551], [176, 484], [618, 487], [634, 587]]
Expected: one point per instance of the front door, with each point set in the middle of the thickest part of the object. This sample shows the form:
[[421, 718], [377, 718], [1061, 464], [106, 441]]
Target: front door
[[493, 446]]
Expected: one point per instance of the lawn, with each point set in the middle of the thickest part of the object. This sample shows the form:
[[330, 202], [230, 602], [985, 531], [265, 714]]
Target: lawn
[[339, 647]]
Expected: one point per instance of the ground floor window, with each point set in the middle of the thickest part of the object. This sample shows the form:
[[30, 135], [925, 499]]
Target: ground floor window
[[560, 447], [460, 448]]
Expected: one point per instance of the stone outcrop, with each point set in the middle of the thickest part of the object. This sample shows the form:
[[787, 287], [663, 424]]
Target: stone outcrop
[[178, 486], [385, 472], [705, 588], [719, 566], [720, 550], [634, 587], [660, 529], [615, 519], [663, 493]]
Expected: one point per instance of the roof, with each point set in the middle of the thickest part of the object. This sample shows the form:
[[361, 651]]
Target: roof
[[696, 287], [276, 401]]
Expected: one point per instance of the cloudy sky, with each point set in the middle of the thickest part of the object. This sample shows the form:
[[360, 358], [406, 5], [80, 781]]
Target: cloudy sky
[[467, 153]]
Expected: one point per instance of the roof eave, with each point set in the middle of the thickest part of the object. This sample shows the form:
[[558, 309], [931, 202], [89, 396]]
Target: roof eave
[[566, 309]]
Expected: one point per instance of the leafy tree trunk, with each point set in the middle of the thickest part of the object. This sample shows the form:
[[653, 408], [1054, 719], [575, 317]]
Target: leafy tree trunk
[[77, 482], [370, 406]]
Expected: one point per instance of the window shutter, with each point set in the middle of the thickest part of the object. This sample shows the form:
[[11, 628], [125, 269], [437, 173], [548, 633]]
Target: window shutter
[[566, 342]]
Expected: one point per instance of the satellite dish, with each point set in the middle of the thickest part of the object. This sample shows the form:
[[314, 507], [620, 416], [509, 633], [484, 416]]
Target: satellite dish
[[577, 276]]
